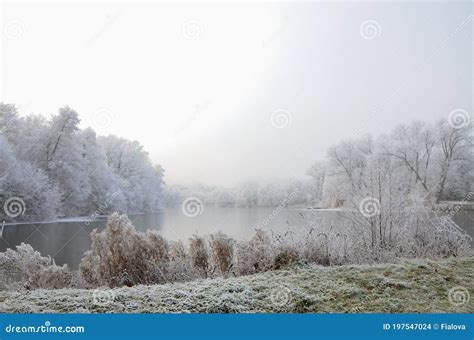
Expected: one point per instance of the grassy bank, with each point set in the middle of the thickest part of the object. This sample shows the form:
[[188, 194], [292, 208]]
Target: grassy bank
[[411, 286]]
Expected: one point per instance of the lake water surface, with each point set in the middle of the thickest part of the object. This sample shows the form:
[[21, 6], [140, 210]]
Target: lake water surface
[[66, 241]]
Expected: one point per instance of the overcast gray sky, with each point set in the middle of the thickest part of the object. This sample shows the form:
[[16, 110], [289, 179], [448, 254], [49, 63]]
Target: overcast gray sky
[[198, 85]]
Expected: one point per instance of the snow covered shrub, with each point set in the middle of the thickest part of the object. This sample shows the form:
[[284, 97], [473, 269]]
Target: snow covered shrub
[[315, 248], [26, 268], [120, 255], [435, 237], [199, 253], [178, 251], [405, 228], [222, 252], [285, 256], [180, 266], [327, 247], [255, 255]]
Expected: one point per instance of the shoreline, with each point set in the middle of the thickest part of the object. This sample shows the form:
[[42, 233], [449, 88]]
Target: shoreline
[[442, 206]]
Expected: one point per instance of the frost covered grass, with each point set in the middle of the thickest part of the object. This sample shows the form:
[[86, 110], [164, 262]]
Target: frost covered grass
[[419, 286]]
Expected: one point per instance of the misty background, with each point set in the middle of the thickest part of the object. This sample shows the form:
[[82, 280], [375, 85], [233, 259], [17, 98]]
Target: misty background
[[197, 84]]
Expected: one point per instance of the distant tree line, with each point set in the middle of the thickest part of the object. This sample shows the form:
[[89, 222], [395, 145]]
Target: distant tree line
[[251, 193]]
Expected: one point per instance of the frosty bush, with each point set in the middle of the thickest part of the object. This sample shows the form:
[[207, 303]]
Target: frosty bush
[[25, 268], [406, 228], [255, 255], [199, 253], [122, 256], [222, 251], [180, 267]]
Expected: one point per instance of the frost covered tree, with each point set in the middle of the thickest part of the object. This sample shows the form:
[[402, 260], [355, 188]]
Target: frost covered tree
[[434, 161], [141, 179], [26, 192], [391, 184], [72, 168], [63, 160], [455, 159], [106, 186]]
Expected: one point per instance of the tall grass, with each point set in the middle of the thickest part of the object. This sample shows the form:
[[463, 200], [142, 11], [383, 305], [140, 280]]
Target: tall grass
[[122, 256]]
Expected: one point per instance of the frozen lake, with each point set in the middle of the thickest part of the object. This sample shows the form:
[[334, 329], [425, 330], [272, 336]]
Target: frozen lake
[[66, 241]]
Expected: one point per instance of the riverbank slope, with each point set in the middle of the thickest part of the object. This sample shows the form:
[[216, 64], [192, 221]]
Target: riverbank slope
[[409, 287]]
